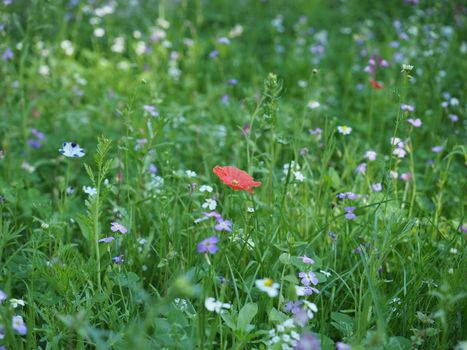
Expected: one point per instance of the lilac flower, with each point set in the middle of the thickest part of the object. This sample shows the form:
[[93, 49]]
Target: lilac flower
[[308, 342], [3, 295], [308, 277], [7, 55], [225, 99], [106, 240], [399, 152], [34, 143], [118, 259], [416, 123], [437, 149], [349, 213], [18, 325], [223, 40], [208, 245], [293, 306], [406, 176], [454, 118], [207, 215], [370, 155], [37, 134], [151, 110], [332, 235], [361, 168], [307, 260], [347, 195], [233, 82], [343, 346], [7, 2], [213, 54], [140, 143], [376, 187], [408, 108], [305, 290], [223, 225], [115, 226], [152, 169]]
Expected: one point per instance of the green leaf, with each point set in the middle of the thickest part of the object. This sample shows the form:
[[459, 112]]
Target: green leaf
[[398, 343], [229, 321], [342, 322], [275, 316], [246, 315]]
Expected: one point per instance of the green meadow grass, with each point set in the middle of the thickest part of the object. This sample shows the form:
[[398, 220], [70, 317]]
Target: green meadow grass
[[391, 278]]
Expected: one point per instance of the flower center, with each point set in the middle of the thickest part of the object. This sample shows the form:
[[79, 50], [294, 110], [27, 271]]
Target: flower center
[[268, 282], [235, 182]]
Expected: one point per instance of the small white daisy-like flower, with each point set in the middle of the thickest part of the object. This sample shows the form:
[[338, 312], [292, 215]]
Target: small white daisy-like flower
[[91, 191], [190, 173], [205, 188], [17, 302], [250, 209], [214, 305], [210, 203], [313, 104], [268, 286], [72, 150], [344, 129], [99, 32], [298, 176]]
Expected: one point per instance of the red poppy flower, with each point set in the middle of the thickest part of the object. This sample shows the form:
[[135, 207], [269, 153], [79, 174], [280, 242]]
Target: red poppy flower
[[376, 85], [235, 178]]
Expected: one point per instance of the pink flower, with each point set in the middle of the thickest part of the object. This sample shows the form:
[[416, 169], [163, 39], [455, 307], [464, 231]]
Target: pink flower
[[307, 260]]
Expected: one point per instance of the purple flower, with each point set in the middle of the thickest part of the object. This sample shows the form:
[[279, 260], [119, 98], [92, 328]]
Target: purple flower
[[118, 259], [3, 295], [34, 143], [416, 123], [361, 168], [463, 228], [233, 82], [406, 176], [308, 342], [293, 306], [343, 346], [207, 215], [106, 240], [223, 40], [225, 99], [151, 110], [307, 260], [376, 187], [152, 169], [223, 225], [349, 213], [408, 108], [208, 245], [308, 277], [213, 54], [115, 226], [437, 149], [332, 235], [37, 134], [18, 325], [453, 117], [7, 55]]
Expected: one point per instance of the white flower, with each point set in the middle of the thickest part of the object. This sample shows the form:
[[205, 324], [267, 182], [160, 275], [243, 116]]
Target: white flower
[[210, 203], [313, 104], [312, 309], [453, 251], [214, 305], [15, 302], [393, 174], [72, 150], [140, 48], [250, 209], [370, 155], [99, 32], [190, 173], [267, 285], [91, 191], [406, 67], [344, 129], [205, 188], [44, 70], [327, 274], [298, 176], [118, 45], [67, 46], [395, 141]]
